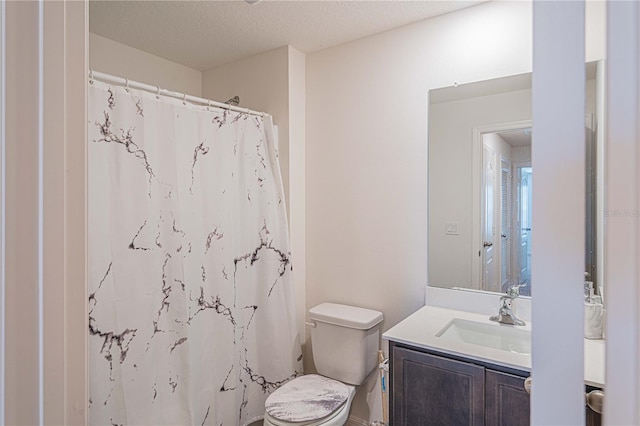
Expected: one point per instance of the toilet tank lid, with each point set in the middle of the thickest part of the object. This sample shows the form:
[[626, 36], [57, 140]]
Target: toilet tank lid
[[345, 315]]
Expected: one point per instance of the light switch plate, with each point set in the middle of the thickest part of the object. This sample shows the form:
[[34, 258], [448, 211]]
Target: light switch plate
[[452, 228]]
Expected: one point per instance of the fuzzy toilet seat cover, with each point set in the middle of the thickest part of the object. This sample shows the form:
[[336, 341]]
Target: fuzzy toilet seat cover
[[306, 398]]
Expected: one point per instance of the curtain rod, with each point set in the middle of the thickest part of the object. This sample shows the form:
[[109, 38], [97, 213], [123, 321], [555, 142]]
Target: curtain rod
[[108, 78]]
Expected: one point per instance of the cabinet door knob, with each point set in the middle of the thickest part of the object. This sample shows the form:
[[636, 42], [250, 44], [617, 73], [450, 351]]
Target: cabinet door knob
[[595, 400], [527, 385]]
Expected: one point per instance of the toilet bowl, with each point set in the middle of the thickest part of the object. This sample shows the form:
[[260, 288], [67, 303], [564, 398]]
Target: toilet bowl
[[345, 341]]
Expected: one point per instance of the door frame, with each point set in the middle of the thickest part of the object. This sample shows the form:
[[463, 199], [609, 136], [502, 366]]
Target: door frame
[[44, 241], [622, 208], [476, 176]]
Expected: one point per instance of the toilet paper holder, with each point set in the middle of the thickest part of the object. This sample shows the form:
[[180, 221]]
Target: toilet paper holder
[[594, 399]]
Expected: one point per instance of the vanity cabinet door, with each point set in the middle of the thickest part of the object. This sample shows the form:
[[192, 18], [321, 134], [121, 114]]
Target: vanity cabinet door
[[507, 403], [431, 390]]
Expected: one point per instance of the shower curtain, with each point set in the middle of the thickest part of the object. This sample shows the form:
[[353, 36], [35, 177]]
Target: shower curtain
[[191, 305]]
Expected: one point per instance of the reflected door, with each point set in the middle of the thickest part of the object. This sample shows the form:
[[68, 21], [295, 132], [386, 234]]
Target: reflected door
[[489, 276], [524, 216], [505, 224]]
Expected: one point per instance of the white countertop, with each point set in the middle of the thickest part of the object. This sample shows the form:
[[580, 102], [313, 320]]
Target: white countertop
[[420, 330]]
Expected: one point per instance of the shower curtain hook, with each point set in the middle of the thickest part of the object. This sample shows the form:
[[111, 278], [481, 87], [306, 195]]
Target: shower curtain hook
[[90, 76], [208, 104], [157, 92], [184, 99], [126, 84]]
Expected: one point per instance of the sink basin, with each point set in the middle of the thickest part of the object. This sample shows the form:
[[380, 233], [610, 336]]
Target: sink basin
[[504, 337]]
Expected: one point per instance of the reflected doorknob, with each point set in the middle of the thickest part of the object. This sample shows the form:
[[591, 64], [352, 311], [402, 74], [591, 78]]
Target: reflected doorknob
[[487, 244]]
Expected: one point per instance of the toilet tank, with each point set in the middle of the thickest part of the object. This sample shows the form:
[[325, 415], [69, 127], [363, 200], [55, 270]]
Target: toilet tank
[[345, 341]]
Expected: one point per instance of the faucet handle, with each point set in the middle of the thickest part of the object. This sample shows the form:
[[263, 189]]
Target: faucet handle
[[514, 291]]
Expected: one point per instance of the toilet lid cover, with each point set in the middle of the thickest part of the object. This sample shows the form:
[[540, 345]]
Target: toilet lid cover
[[306, 398]]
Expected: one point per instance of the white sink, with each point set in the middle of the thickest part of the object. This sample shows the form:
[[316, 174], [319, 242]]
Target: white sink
[[497, 336]]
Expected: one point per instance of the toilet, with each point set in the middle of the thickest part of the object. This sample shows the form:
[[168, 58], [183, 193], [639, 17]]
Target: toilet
[[345, 342]]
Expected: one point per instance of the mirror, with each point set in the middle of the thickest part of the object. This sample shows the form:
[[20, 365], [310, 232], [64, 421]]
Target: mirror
[[480, 183]]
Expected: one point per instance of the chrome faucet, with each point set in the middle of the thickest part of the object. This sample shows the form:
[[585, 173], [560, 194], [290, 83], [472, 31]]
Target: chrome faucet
[[505, 313]]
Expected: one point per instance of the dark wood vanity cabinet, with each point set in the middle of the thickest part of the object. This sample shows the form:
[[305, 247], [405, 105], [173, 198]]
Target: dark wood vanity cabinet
[[506, 401], [428, 389], [431, 389]]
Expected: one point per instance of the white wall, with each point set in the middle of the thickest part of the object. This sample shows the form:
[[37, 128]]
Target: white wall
[[367, 150], [451, 184], [499, 146], [118, 59], [65, 65], [521, 154], [297, 178]]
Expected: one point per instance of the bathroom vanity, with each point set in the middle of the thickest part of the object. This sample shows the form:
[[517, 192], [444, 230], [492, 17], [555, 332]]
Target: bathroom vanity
[[451, 367], [435, 388]]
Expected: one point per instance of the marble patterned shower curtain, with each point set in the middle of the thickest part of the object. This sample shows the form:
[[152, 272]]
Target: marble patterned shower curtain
[[191, 306]]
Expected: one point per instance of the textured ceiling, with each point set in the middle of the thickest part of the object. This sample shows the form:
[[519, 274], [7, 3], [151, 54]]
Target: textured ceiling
[[206, 34]]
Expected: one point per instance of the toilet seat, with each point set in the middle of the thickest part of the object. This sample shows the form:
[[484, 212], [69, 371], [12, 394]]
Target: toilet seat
[[337, 418], [309, 401]]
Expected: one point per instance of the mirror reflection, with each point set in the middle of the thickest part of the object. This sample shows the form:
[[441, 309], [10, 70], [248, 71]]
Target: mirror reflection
[[480, 184], [505, 214]]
